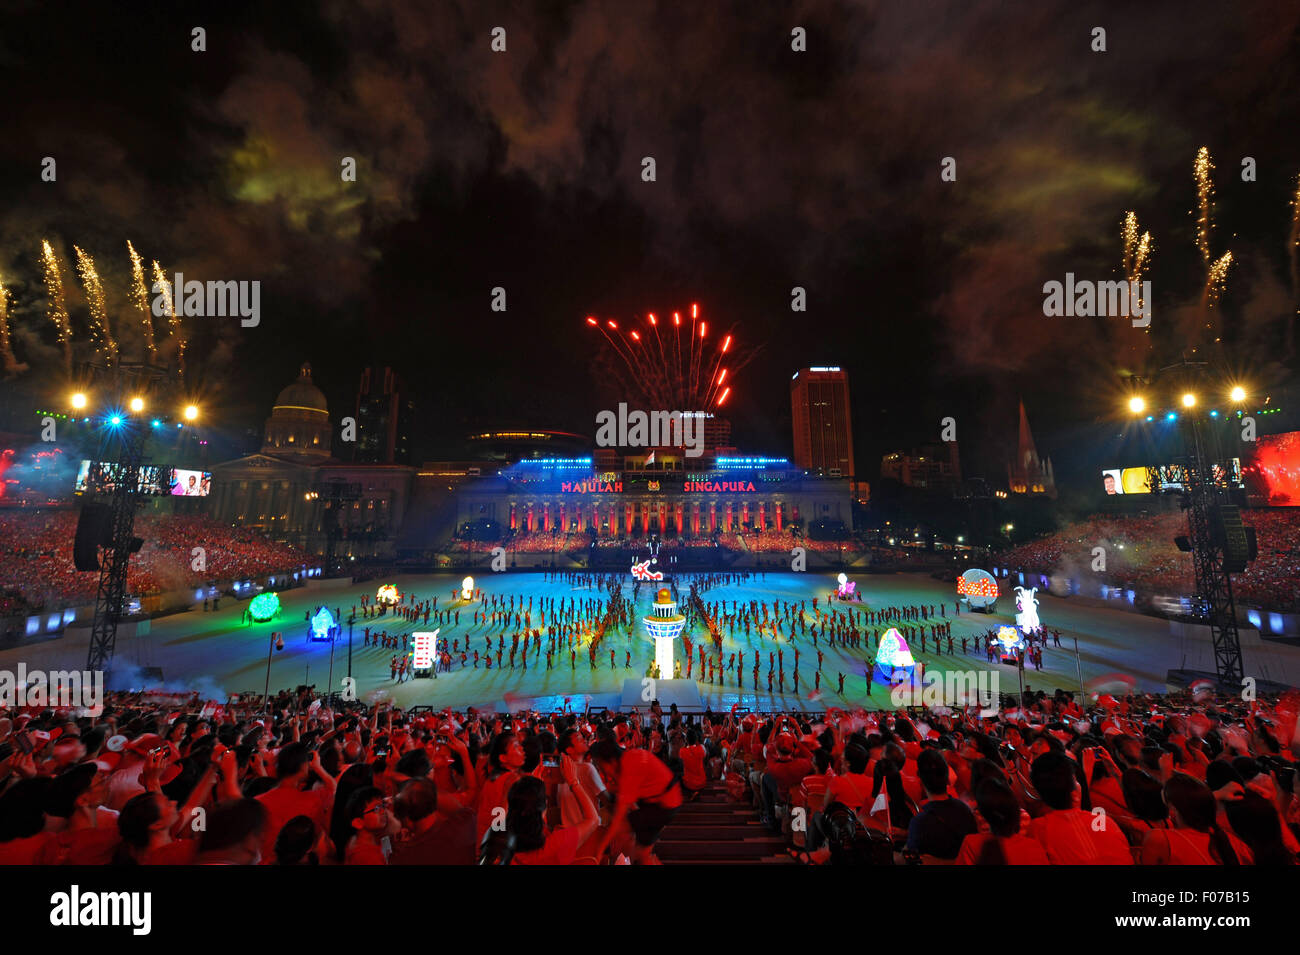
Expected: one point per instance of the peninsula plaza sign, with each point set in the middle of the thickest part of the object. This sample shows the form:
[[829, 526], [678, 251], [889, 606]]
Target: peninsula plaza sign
[[688, 487]]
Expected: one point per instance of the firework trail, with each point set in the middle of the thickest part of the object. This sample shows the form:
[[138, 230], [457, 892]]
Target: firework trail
[[1137, 253], [1217, 278], [675, 375], [140, 299], [1216, 270], [12, 366], [95, 300], [1201, 170], [57, 308], [173, 320]]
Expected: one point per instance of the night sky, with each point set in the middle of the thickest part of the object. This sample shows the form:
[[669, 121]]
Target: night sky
[[775, 169]]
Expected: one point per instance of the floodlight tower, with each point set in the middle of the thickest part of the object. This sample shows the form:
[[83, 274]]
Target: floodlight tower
[[1219, 543], [120, 396]]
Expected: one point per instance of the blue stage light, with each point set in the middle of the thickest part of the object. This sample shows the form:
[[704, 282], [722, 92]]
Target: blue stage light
[[115, 420], [1171, 416]]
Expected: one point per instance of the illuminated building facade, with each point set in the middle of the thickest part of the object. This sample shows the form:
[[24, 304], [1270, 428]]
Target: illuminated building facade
[[823, 428]]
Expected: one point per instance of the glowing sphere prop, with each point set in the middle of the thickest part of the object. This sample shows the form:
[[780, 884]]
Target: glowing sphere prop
[[979, 587], [467, 588], [264, 606], [387, 594]]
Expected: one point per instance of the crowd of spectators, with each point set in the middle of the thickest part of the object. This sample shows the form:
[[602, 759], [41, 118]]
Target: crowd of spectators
[[37, 569], [1140, 554], [1154, 780]]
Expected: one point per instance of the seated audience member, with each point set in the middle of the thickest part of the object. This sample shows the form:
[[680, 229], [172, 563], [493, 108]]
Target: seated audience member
[[534, 842], [371, 824], [1068, 834], [1193, 837], [294, 766], [22, 821], [1256, 822], [1003, 844], [235, 833], [937, 831], [296, 844], [431, 835]]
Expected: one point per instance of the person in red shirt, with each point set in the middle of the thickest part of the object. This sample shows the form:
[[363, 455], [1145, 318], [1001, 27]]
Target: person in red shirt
[[145, 824], [85, 833], [1003, 844], [505, 760], [693, 754], [1195, 838], [293, 766], [535, 842], [1068, 834], [784, 771], [647, 796], [371, 825]]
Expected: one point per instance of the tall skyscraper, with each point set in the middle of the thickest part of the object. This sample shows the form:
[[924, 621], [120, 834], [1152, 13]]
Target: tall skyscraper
[[823, 430], [384, 415]]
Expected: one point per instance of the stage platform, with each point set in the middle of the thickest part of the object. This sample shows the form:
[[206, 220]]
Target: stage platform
[[685, 693]]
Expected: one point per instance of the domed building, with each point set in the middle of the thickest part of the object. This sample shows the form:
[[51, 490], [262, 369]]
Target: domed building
[[300, 423], [294, 491]]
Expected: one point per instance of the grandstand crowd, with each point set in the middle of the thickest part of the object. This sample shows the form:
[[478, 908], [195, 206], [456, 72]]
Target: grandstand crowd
[[1153, 780], [1140, 554], [37, 569]]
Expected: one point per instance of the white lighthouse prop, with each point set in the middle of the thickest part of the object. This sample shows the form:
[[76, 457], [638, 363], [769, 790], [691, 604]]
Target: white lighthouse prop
[[665, 624]]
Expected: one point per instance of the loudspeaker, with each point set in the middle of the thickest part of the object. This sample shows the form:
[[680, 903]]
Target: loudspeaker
[[93, 529], [1232, 535]]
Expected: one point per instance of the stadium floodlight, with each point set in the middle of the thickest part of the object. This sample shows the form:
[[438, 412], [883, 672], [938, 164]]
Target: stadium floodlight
[[1238, 394], [79, 401], [1137, 405], [137, 404], [191, 412], [1189, 400]]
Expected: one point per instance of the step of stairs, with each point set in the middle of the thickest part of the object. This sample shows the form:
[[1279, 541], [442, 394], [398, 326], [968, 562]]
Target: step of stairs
[[713, 829]]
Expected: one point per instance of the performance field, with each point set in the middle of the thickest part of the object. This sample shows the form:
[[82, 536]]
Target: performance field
[[219, 653]]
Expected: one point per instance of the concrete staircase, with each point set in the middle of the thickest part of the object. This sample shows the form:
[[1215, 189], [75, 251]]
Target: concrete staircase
[[713, 829]]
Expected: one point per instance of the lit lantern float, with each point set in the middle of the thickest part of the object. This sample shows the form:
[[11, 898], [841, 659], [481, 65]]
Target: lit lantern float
[[264, 606], [980, 590], [467, 588], [322, 624], [388, 596]]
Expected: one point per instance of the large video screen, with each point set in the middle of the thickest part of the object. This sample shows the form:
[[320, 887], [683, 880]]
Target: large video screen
[[190, 483], [1169, 477], [104, 476], [1274, 474]]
